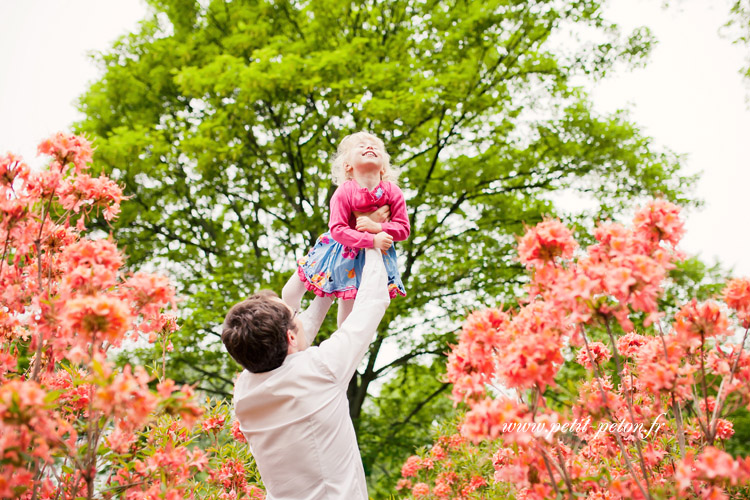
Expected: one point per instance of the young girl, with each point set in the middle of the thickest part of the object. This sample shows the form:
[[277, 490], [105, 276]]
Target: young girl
[[334, 265]]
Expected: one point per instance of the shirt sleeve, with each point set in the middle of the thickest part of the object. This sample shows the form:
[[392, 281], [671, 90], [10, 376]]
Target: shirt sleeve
[[338, 223], [344, 350], [399, 226]]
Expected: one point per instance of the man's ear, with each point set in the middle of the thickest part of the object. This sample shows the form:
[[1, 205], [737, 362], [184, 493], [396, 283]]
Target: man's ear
[[291, 338]]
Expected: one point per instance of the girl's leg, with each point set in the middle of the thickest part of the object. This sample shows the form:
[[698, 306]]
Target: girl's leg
[[345, 308], [313, 316], [293, 291]]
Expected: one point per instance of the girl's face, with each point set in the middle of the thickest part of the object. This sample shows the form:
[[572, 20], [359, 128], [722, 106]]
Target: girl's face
[[365, 154]]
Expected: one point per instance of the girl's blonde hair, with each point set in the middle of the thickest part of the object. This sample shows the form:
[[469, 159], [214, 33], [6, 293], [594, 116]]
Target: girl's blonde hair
[[339, 174]]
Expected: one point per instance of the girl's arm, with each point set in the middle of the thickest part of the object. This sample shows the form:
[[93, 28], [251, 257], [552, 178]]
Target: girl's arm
[[339, 223], [399, 226]]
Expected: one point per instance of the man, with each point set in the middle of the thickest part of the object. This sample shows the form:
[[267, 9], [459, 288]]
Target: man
[[291, 400]]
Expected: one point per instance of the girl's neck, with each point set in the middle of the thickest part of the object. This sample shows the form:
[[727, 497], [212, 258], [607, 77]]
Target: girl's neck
[[368, 180]]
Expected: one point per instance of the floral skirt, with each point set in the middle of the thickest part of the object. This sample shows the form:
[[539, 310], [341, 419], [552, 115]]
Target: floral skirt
[[331, 269]]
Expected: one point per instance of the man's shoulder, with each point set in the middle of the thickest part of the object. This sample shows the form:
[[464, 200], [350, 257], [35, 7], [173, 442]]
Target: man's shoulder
[[307, 362]]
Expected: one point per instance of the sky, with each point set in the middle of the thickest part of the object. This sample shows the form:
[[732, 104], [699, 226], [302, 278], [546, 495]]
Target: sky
[[690, 97]]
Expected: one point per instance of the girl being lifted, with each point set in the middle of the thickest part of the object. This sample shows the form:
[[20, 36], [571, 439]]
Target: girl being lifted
[[333, 267]]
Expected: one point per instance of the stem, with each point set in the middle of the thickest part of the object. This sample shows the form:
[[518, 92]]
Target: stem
[[565, 475], [40, 337], [675, 406], [544, 455], [164, 358], [35, 492], [697, 408], [680, 430], [629, 401], [91, 451], [597, 375], [38, 247], [549, 471], [59, 480], [719, 403], [5, 253], [703, 384]]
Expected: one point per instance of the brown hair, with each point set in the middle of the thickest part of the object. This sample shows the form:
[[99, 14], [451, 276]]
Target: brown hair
[[254, 332]]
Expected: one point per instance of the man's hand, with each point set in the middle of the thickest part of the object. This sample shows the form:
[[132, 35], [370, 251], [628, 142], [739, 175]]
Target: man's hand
[[382, 241], [367, 225], [382, 214]]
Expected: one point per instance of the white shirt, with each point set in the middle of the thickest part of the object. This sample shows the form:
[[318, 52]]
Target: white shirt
[[296, 417]]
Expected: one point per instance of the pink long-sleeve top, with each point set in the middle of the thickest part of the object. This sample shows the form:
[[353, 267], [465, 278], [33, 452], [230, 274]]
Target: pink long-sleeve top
[[349, 197]]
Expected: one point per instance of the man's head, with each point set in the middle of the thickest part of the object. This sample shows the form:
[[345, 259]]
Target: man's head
[[260, 331]]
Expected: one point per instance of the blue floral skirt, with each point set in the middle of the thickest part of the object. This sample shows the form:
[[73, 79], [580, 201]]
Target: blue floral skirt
[[331, 269]]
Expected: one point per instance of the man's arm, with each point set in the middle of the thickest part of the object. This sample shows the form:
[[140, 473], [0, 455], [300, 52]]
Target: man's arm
[[347, 346]]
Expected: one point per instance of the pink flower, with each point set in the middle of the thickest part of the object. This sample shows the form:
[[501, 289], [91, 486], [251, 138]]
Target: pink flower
[[714, 463], [531, 352], [704, 320], [403, 483], [12, 167], [166, 388], [411, 466], [231, 475], [128, 397], [629, 344], [546, 242], [599, 352], [420, 490], [658, 371], [8, 362], [43, 184], [724, 429], [660, 221], [96, 317], [149, 293], [487, 418], [213, 424], [120, 440], [447, 477], [441, 490], [86, 192], [237, 433], [437, 452], [90, 266], [68, 148], [737, 296], [476, 483]]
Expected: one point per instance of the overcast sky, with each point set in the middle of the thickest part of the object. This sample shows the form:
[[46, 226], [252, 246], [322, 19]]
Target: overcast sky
[[690, 98]]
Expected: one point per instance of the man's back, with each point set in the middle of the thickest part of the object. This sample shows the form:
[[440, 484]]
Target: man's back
[[296, 420], [296, 417]]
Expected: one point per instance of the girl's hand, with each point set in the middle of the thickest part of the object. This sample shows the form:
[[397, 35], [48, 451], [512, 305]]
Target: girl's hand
[[382, 241], [367, 225]]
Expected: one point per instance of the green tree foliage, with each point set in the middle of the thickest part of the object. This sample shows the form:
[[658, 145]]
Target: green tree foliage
[[401, 418], [739, 24], [220, 119]]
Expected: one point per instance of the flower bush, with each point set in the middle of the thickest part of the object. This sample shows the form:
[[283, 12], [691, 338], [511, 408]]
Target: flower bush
[[72, 424], [649, 418]]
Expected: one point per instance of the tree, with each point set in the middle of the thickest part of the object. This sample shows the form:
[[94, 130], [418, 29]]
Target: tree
[[225, 114], [739, 23]]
